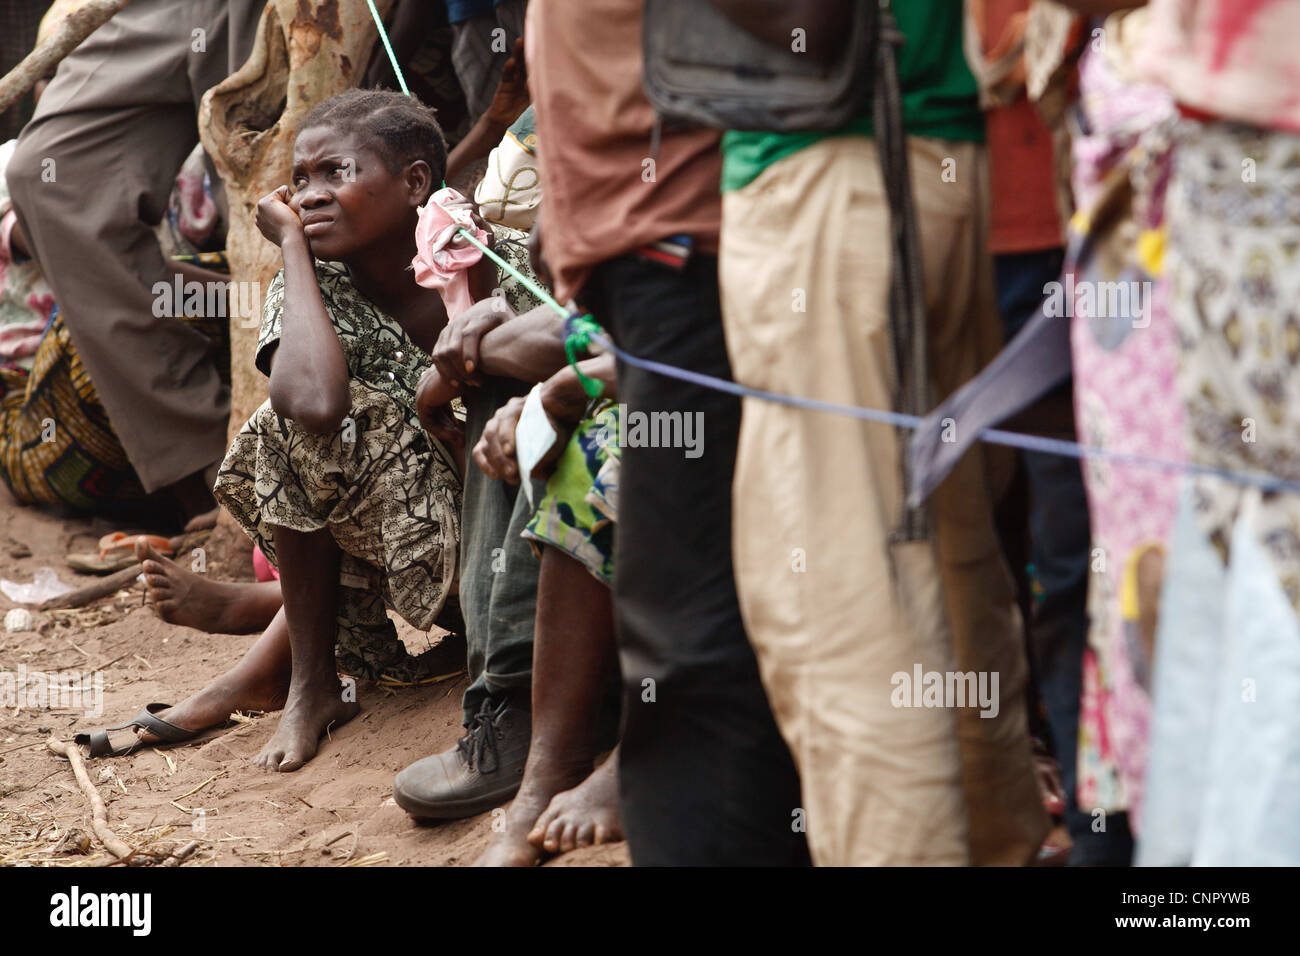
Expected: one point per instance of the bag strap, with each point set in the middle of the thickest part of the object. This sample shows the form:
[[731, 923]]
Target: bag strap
[[907, 326]]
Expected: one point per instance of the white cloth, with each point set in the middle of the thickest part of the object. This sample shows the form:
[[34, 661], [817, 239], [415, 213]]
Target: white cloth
[[510, 191], [1223, 781]]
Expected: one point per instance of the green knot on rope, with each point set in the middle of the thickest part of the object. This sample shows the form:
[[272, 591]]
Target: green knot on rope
[[578, 330]]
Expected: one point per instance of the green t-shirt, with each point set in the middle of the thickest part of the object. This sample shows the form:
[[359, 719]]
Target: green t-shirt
[[939, 95]]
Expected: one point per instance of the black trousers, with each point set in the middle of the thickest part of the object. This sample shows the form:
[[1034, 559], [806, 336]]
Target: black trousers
[[705, 777]]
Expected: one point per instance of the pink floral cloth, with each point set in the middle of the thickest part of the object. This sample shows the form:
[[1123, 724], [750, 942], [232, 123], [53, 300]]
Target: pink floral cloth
[[1233, 58], [26, 299], [443, 256], [1126, 401]]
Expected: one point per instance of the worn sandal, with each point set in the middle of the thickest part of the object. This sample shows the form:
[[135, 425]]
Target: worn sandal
[[100, 746], [116, 551]]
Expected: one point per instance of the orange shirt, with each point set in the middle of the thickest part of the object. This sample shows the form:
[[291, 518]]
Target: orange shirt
[[1022, 183], [603, 193]]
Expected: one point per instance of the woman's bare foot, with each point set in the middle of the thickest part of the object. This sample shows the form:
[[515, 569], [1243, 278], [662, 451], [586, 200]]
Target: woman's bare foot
[[313, 708], [510, 847], [547, 773], [584, 816], [195, 600]]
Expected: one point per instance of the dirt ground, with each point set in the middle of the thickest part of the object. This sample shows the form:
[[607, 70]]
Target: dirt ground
[[335, 811]]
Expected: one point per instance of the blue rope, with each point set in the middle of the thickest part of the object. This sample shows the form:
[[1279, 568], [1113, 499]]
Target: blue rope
[[995, 436]]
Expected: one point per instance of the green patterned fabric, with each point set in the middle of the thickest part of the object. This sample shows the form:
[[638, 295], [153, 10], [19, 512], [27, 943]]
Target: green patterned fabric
[[578, 511]]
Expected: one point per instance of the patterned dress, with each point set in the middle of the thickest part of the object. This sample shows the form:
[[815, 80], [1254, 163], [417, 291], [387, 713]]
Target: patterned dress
[[1223, 785], [1235, 268], [1126, 401], [389, 494], [578, 511]]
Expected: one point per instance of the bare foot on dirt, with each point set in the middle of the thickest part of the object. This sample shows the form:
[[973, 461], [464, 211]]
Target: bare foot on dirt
[[510, 847], [311, 712], [546, 774], [584, 816], [195, 600]]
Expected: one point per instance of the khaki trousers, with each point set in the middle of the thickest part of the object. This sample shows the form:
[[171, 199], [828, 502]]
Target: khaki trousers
[[833, 610], [90, 180]]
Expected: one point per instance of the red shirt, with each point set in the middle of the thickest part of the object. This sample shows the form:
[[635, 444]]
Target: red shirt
[[1022, 171]]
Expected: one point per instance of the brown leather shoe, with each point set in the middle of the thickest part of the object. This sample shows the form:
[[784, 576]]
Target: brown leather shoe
[[482, 771]]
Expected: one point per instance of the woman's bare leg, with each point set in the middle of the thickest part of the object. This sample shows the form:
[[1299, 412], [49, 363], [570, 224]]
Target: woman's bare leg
[[259, 682], [309, 581]]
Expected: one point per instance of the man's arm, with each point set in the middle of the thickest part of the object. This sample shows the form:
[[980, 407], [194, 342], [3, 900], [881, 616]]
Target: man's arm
[[508, 102], [565, 403], [563, 396], [529, 347]]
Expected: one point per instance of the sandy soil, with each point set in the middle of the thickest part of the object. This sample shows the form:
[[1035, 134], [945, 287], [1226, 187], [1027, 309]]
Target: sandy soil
[[336, 811]]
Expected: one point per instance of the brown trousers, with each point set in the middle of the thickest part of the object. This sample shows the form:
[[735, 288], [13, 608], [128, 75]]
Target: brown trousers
[[91, 178], [833, 610]]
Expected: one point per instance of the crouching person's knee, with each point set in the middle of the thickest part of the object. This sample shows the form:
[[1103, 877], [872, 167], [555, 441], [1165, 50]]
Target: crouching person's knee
[[29, 173]]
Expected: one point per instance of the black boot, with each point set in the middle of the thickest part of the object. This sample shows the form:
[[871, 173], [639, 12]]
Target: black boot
[[481, 772]]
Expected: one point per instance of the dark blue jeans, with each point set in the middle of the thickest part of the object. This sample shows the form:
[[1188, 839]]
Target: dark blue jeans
[[1060, 539]]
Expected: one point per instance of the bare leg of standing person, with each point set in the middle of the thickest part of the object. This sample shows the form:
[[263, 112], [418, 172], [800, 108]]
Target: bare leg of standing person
[[573, 657]]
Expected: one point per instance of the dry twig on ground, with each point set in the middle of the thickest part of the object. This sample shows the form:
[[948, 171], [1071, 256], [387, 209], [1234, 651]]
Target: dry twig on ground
[[98, 812]]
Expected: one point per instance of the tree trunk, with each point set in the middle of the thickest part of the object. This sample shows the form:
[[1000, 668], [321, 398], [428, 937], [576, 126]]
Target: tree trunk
[[305, 52]]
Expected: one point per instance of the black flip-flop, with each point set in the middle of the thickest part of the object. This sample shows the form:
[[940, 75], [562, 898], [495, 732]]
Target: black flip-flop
[[100, 746]]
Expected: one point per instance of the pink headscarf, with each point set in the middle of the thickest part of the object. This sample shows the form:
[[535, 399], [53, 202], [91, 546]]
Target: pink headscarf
[[442, 256]]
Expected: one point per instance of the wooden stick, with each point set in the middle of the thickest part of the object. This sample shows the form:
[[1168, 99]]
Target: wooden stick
[[74, 28], [98, 812], [91, 592], [180, 856]]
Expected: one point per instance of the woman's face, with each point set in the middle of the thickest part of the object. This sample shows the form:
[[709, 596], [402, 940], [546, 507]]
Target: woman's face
[[345, 196]]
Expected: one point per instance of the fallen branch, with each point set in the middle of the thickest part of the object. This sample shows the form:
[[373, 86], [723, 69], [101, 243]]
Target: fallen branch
[[180, 856], [92, 592], [98, 812], [74, 28]]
